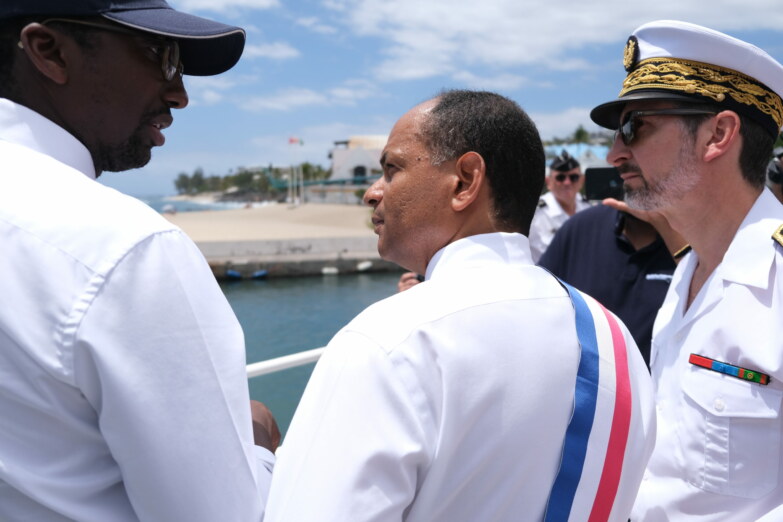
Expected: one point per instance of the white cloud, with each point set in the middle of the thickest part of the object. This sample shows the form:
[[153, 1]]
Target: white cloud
[[210, 97], [564, 123], [426, 39], [285, 100], [349, 93], [212, 82], [315, 25], [274, 51], [207, 90], [352, 91], [222, 5], [501, 82]]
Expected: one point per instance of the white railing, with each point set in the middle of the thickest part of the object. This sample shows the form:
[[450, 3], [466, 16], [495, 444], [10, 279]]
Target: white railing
[[284, 362]]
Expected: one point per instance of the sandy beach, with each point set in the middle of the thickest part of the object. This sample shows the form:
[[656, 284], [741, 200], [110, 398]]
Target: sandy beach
[[285, 240], [276, 221]]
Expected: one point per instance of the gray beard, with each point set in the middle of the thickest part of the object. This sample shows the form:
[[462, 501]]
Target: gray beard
[[667, 191]]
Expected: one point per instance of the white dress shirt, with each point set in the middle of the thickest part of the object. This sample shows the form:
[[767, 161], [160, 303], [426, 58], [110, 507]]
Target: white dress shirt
[[449, 402], [547, 220], [718, 455], [123, 393]]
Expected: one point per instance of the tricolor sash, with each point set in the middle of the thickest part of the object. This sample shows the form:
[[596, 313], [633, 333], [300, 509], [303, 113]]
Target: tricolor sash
[[603, 367]]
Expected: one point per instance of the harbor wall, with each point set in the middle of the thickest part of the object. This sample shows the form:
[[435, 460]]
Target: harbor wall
[[293, 257]]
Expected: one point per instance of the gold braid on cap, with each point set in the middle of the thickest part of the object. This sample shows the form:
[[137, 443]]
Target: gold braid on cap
[[706, 80]]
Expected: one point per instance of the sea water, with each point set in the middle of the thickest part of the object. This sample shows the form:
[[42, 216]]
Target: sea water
[[281, 316], [162, 203]]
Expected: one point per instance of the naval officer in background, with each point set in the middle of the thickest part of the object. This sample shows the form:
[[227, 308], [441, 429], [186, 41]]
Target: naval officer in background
[[562, 200]]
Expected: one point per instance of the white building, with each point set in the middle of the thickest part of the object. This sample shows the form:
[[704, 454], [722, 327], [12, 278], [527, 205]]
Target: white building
[[356, 158]]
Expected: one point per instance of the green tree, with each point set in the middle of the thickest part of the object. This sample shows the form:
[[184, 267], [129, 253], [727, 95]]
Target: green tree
[[581, 135], [243, 179], [197, 182], [214, 183], [314, 172], [182, 183]]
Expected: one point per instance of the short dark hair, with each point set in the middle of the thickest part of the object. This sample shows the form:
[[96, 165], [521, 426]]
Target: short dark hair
[[9, 36], [10, 30], [506, 138], [757, 143]]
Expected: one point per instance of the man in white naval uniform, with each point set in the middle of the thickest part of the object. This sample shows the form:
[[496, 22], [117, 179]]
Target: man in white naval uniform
[[697, 117], [562, 200], [455, 400]]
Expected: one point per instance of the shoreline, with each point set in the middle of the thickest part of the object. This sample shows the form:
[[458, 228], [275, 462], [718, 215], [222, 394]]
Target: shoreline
[[204, 198], [279, 240]]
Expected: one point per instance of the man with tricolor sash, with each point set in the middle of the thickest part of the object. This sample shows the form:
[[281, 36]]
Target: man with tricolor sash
[[696, 120], [490, 391]]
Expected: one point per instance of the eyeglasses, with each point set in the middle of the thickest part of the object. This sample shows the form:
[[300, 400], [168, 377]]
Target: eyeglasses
[[167, 51], [573, 177], [631, 121]]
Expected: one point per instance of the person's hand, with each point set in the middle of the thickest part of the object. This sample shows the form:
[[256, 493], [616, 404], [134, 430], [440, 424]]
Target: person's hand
[[407, 280], [648, 216], [674, 241], [265, 431]]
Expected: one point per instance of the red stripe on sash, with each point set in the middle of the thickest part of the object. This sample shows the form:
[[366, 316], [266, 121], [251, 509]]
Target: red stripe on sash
[[621, 422]]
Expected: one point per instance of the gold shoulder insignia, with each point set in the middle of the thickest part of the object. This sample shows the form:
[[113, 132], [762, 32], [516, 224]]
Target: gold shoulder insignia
[[681, 252], [778, 235]]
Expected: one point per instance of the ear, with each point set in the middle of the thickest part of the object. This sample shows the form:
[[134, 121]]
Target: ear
[[48, 50], [470, 172], [724, 129]]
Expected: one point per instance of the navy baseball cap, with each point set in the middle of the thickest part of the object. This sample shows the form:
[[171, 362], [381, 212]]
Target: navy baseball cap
[[206, 47]]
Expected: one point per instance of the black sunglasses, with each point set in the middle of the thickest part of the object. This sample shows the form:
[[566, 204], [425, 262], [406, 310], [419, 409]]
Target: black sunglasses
[[573, 177], [166, 50], [630, 123]]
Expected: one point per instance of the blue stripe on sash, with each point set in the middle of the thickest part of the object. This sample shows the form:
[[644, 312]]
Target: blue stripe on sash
[[575, 446]]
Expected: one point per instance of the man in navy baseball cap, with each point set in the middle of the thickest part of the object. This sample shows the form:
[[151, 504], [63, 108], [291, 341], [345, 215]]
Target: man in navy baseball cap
[[123, 389]]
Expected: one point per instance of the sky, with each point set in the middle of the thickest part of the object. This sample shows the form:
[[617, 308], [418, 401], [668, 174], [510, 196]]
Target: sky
[[320, 71]]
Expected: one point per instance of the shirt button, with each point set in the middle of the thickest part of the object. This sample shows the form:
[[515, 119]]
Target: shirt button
[[719, 405]]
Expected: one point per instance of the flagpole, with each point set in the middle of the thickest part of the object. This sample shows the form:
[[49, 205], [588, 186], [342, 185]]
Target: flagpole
[[295, 185]]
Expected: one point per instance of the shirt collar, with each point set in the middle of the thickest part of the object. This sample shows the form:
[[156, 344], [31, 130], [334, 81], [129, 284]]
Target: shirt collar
[[552, 207], [27, 128], [478, 250], [750, 255]]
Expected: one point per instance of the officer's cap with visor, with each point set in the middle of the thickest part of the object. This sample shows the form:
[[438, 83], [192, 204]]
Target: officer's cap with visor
[[206, 47], [564, 162], [684, 62]]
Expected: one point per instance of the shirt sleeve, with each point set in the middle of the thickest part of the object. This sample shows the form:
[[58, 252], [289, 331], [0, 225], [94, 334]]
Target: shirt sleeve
[[160, 356], [357, 444]]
